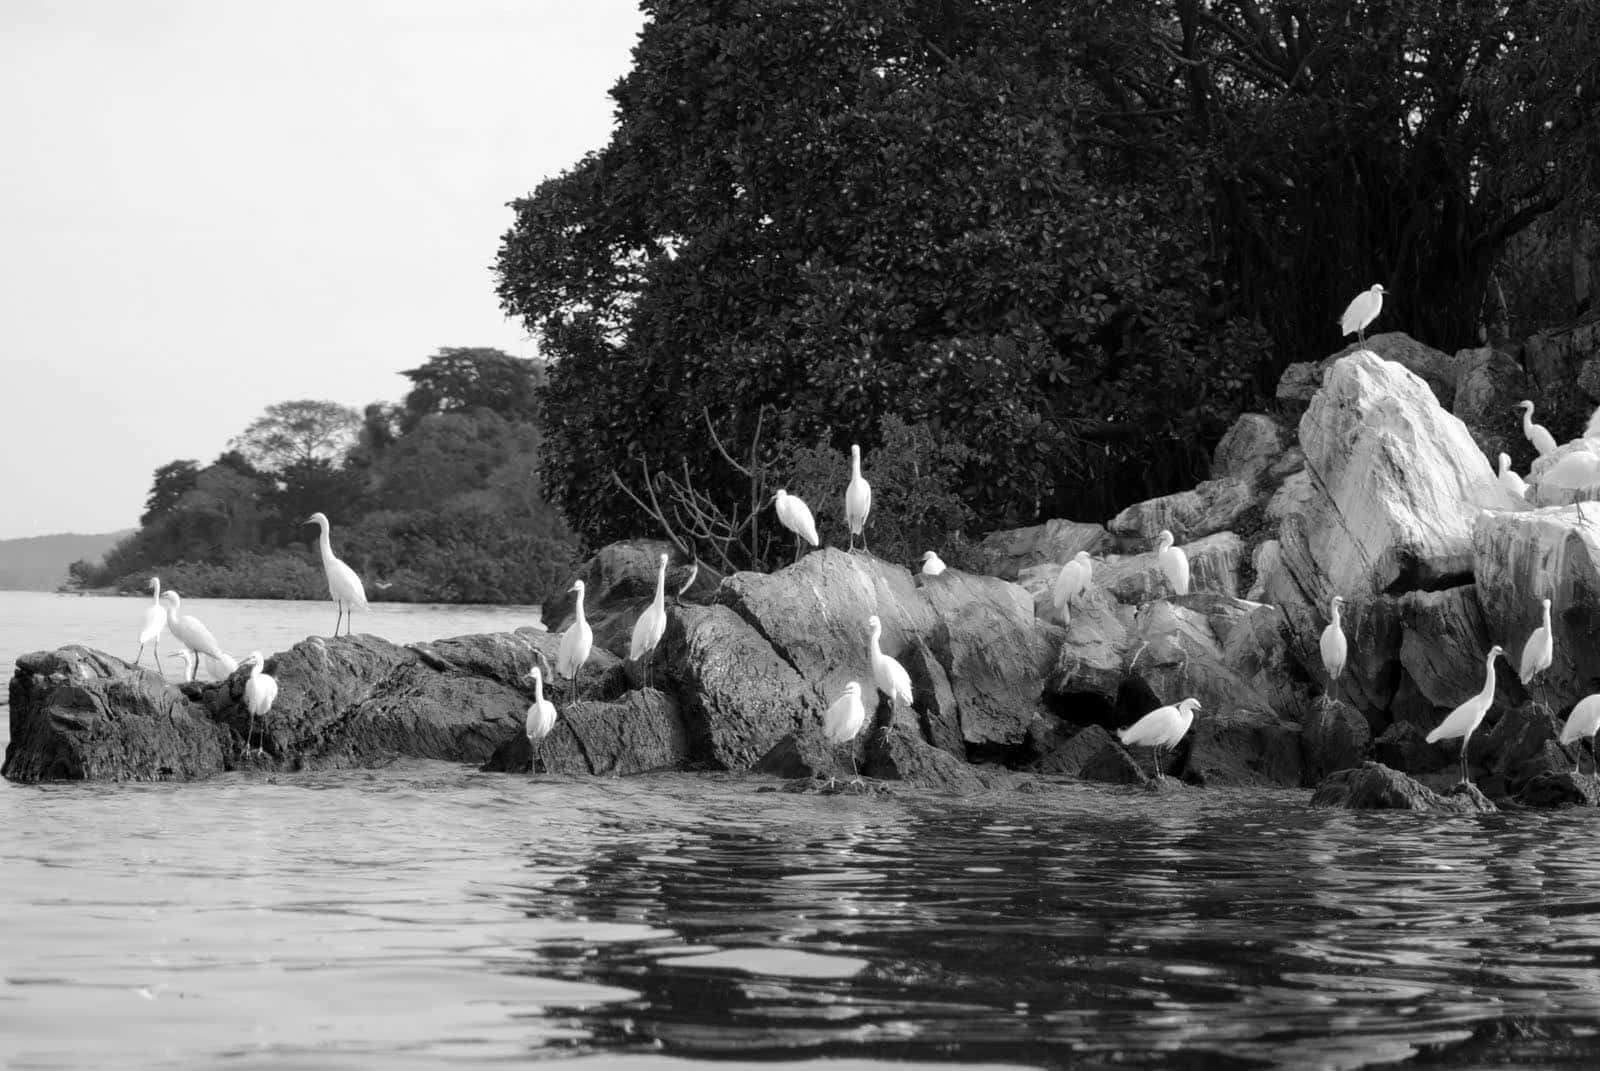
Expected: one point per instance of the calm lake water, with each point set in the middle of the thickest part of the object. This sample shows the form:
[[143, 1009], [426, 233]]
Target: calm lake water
[[427, 915]]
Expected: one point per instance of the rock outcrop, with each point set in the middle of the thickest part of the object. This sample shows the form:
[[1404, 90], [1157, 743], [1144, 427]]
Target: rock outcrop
[[1374, 786]]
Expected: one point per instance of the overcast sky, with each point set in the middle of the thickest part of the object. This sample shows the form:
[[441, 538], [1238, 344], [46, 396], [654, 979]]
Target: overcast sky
[[210, 206]]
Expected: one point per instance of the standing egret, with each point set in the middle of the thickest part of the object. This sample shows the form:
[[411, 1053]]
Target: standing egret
[[932, 564], [1072, 581], [857, 500], [1335, 649], [844, 719], [795, 515], [576, 643], [890, 676], [344, 586], [1592, 429], [1465, 718], [1583, 721], [1538, 652], [1537, 434], [652, 624], [1509, 479], [1361, 311], [1162, 727], [155, 619], [193, 634], [1174, 563], [541, 718], [260, 692]]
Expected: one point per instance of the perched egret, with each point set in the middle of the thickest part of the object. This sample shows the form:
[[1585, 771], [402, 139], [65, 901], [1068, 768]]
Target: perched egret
[[844, 719], [1072, 581], [260, 692], [1335, 649], [1361, 311], [1174, 563], [1510, 480], [155, 619], [652, 624], [1465, 718], [576, 643], [541, 718], [1162, 727], [1577, 469], [857, 500], [932, 564], [1592, 429], [1539, 651], [1583, 721], [890, 676], [344, 586], [1537, 434], [795, 515], [193, 634]]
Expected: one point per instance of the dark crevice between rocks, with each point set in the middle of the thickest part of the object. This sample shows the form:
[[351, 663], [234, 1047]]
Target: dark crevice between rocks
[[1408, 581], [1079, 710], [737, 606]]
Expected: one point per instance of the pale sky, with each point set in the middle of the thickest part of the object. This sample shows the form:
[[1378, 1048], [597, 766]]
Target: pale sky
[[213, 205]]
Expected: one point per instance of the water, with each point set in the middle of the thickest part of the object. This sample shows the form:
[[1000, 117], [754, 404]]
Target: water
[[427, 915]]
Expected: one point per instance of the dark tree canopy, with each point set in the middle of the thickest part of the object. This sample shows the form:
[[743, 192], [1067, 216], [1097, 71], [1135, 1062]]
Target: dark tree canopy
[[458, 378], [296, 433]]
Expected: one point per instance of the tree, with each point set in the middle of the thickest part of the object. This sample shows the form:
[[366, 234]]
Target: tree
[[172, 481], [462, 379], [298, 432]]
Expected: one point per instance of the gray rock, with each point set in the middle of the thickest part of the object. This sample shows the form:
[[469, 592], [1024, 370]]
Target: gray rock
[[1440, 371], [1249, 448], [895, 755], [1113, 765], [1072, 755], [1333, 736], [1560, 789], [1137, 579], [1210, 507], [1243, 747], [638, 733], [1006, 553], [1374, 786]]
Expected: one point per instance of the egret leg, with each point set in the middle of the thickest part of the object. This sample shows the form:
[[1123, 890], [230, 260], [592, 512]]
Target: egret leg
[[1464, 740], [799, 548], [138, 656], [250, 732]]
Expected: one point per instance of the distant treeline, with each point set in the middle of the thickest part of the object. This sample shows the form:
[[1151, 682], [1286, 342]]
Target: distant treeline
[[436, 499]]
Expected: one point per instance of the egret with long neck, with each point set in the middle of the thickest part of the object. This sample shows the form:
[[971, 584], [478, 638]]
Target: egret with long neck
[[857, 500], [155, 619], [1537, 434], [652, 624], [576, 643], [1465, 718], [1335, 649], [344, 586]]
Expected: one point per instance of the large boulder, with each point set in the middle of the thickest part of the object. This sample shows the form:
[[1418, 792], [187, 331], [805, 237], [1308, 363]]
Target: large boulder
[[1559, 356], [638, 733], [1173, 650], [1491, 385], [1250, 447], [82, 715], [1440, 371], [1209, 507], [1090, 660], [1374, 786], [1137, 578], [1006, 553], [1243, 747], [1333, 736]]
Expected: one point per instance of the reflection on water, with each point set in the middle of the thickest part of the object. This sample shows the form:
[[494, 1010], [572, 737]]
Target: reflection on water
[[425, 916]]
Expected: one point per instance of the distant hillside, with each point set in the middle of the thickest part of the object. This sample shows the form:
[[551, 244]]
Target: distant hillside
[[39, 563]]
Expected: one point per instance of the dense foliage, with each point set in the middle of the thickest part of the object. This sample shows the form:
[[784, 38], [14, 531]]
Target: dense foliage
[[436, 499], [1070, 240]]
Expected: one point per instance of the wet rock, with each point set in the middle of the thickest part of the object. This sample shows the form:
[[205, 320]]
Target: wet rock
[[895, 755], [1445, 639], [1560, 789], [1374, 786], [640, 732], [1520, 746], [1333, 736], [1137, 579], [1403, 746], [1076, 752], [1210, 507], [1243, 747], [1113, 765], [805, 754], [1174, 651], [1006, 553], [937, 710], [1250, 447], [79, 714], [1090, 658]]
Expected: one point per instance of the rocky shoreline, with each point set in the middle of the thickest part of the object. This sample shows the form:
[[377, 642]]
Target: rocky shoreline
[[1382, 494]]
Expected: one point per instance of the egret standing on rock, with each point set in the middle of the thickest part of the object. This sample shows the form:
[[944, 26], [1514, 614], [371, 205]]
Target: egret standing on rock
[[1583, 721], [1072, 581], [260, 692], [1335, 649], [1465, 718], [1162, 727], [1361, 311], [155, 619], [652, 624], [1510, 480], [576, 643], [932, 564], [1538, 652], [1174, 563], [541, 718], [344, 586], [1537, 434], [857, 500], [844, 719], [795, 515], [193, 634], [890, 676]]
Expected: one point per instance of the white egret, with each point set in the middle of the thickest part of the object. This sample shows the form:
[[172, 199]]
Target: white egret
[[932, 564], [844, 719], [1509, 479], [576, 643], [652, 624], [1537, 434], [155, 619], [260, 692], [890, 676], [1583, 721], [1465, 718], [1162, 727], [1361, 311], [193, 634], [1072, 581], [1575, 470], [1335, 649], [1174, 563], [857, 500], [1592, 429], [344, 586], [795, 515], [541, 718], [694, 572], [1538, 652]]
